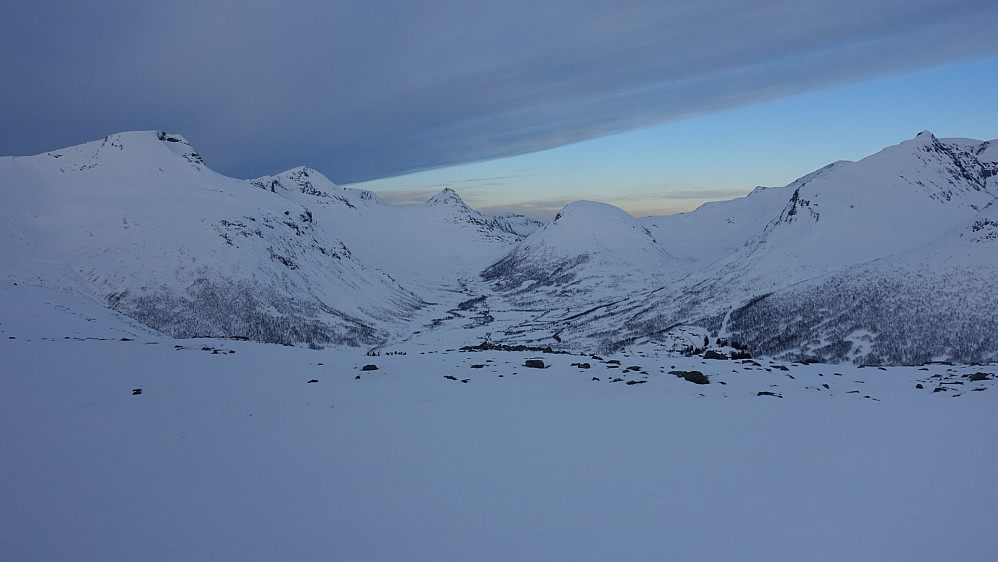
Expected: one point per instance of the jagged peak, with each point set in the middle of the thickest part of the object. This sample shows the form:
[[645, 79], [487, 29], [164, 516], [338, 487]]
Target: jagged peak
[[925, 136], [448, 196]]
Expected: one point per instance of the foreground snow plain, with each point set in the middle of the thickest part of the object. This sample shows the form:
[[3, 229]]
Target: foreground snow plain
[[229, 453]]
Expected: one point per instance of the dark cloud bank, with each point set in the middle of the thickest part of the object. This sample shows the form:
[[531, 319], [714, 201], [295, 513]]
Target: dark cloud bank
[[361, 90]]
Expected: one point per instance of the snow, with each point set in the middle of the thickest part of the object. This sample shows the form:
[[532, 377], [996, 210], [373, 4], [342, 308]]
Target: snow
[[229, 453], [121, 442]]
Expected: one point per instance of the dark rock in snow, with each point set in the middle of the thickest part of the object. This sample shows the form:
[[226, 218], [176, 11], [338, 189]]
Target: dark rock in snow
[[695, 377], [534, 363], [369, 368]]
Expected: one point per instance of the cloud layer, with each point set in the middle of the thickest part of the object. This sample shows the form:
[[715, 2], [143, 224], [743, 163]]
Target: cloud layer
[[362, 90]]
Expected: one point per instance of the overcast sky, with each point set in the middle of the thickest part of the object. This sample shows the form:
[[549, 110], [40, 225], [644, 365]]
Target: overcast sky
[[363, 90]]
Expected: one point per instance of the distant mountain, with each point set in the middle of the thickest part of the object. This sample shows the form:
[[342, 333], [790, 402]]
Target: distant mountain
[[891, 259]]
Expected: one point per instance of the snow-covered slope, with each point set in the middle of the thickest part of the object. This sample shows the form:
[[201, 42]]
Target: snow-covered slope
[[121, 444], [931, 303]]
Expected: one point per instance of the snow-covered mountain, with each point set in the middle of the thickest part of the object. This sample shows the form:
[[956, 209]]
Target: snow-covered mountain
[[588, 247], [878, 223], [888, 259], [138, 223]]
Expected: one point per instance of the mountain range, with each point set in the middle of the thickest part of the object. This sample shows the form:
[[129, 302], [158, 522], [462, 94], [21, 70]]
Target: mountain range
[[888, 260]]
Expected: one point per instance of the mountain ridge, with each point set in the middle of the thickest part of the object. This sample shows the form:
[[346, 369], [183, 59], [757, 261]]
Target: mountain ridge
[[139, 223]]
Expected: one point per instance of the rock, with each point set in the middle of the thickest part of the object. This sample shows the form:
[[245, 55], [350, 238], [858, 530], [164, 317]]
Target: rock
[[534, 363], [919, 386], [477, 366], [980, 377], [695, 377], [939, 389], [369, 368], [711, 354], [595, 378], [313, 380], [768, 393], [450, 377], [635, 382], [136, 391]]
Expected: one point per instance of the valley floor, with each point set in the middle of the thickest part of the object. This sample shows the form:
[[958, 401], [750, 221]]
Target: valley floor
[[230, 452]]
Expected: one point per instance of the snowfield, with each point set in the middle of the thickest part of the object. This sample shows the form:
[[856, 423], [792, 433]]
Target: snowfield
[[229, 452], [138, 421]]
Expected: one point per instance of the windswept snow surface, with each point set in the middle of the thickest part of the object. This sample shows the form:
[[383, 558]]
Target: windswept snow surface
[[229, 452]]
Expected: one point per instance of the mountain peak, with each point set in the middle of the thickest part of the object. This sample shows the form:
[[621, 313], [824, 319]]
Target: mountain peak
[[923, 139], [589, 213], [447, 197]]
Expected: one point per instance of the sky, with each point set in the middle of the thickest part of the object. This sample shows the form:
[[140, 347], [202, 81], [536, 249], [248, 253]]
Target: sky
[[518, 105]]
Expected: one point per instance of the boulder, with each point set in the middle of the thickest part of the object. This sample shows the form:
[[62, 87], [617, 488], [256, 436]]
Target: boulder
[[695, 377]]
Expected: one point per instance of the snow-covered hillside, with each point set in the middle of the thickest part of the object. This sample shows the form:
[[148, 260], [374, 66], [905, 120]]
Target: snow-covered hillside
[[876, 261], [123, 444]]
